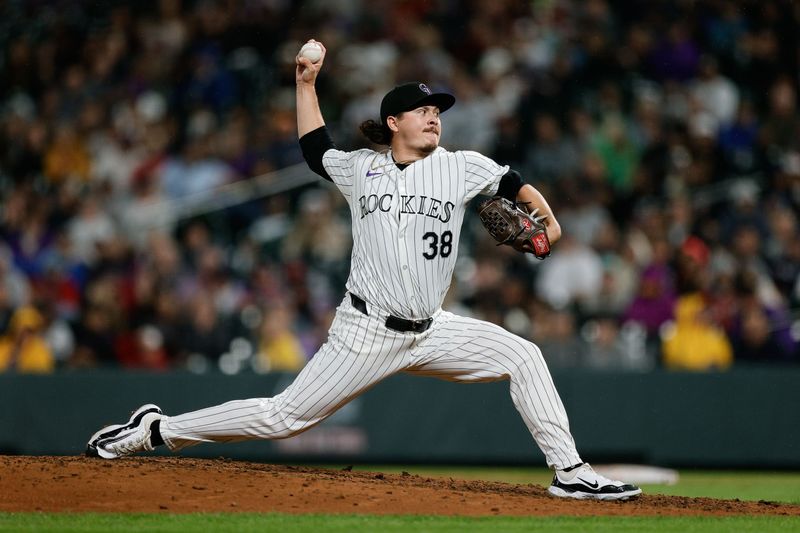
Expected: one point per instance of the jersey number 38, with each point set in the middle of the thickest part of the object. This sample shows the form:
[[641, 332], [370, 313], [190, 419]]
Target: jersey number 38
[[436, 245]]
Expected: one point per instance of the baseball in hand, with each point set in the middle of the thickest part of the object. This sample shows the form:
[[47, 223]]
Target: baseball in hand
[[311, 51]]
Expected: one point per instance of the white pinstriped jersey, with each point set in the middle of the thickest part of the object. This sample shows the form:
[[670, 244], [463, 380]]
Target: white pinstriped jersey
[[407, 223]]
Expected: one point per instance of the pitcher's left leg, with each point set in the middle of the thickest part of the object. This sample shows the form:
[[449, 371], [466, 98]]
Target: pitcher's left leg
[[465, 349]]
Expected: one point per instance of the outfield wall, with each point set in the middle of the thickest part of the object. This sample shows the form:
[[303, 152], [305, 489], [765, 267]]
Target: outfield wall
[[742, 418]]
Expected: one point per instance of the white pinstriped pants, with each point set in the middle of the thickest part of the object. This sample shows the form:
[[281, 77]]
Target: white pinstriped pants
[[361, 351]]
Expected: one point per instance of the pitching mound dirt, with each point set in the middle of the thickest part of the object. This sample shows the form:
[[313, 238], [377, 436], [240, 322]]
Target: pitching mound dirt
[[182, 485]]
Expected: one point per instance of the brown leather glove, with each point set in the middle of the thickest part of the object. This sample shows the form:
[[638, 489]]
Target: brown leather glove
[[508, 223]]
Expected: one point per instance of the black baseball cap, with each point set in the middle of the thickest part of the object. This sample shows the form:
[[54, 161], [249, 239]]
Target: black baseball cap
[[411, 96]]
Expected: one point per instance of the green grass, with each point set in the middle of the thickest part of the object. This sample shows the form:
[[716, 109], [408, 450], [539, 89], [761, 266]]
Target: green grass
[[68, 523], [744, 485], [771, 486]]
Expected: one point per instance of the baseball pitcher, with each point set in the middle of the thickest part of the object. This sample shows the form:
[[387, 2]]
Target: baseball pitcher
[[407, 205]]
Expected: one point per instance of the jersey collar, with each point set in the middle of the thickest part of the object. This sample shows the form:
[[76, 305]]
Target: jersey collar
[[390, 157]]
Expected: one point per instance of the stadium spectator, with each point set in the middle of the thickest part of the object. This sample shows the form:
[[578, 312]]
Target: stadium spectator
[[694, 342], [572, 275], [760, 332], [207, 332], [715, 94], [22, 347], [279, 348], [560, 342]]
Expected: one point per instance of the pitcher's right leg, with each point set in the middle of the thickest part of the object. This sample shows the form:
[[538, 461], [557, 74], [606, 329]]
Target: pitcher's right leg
[[359, 353]]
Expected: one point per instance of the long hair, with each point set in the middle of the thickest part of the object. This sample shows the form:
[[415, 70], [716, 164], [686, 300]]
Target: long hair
[[376, 132]]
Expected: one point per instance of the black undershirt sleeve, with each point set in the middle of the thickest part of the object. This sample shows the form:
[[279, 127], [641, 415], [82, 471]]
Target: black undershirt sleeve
[[510, 184], [314, 144]]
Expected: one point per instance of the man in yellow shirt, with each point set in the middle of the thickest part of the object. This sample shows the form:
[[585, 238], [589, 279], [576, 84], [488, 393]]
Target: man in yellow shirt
[[279, 347], [22, 348], [694, 342]]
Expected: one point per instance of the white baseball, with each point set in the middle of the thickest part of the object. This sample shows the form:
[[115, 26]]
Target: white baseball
[[311, 51]]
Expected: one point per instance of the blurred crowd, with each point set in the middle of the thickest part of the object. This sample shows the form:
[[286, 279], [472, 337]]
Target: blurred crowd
[[665, 134]]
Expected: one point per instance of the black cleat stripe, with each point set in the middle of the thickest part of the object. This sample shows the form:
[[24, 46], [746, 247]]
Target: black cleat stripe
[[605, 489], [130, 425]]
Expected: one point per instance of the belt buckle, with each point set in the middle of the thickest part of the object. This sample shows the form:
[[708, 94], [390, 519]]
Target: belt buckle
[[421, 325], [407, 324]]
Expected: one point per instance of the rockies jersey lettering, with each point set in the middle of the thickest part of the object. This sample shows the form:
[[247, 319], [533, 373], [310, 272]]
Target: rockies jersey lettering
[[407, 223], [384, 203]]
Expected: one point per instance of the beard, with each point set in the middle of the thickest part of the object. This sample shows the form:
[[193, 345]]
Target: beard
[[428, 146], [428, 149], [416, 145]]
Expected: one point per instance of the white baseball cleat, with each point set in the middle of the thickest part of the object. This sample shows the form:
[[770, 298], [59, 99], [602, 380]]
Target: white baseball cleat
[[583, 483], [119, 440]]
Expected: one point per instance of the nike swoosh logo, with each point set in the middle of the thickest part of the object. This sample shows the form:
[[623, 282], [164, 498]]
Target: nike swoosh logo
[[373, 174], [593, 485]]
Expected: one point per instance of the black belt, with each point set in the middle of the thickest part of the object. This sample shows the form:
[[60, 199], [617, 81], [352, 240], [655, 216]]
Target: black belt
[[396, 323]]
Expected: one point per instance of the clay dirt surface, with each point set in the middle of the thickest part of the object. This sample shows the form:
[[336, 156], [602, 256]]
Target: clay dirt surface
[[186, 485]]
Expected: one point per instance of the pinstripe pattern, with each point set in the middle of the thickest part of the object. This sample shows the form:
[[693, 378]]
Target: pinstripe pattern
[[387, 263], [464, 349], [406, 227], [347, 365]]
